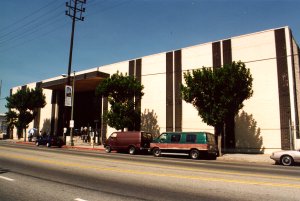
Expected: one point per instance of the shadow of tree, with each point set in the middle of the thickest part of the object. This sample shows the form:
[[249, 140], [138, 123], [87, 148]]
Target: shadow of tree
[[46, 126], [247, 134], [149, 122]]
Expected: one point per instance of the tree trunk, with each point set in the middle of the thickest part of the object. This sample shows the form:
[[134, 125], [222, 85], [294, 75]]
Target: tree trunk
[[218, 136], [25, 135], [220, 144]]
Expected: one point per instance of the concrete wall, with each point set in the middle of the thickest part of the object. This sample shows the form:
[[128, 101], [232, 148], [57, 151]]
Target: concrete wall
[[195, 57], [259, 54]]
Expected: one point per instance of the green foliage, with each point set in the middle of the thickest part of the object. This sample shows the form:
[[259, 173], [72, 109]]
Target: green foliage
[[218, 94], [22, 107], [122, 92]]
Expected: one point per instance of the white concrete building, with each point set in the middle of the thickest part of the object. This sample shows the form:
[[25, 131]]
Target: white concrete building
[[268, 121]]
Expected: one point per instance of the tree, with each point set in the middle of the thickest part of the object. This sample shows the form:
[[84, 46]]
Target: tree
[[149, 122], [23, 107], [218, 94], [123, 93]]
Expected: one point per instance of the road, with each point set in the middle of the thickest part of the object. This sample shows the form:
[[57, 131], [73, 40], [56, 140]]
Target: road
[[41, 173]]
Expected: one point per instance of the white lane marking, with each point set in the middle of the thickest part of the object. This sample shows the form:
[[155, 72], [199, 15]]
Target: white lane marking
[[6, 178], [78, 199]]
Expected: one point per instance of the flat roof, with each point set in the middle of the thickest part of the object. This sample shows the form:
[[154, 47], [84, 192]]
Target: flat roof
[[83, 82]]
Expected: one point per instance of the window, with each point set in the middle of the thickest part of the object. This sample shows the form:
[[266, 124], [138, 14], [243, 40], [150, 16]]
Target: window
[[210, 138], [191, 138], [162, 137], [147, 136], [175, 138], [114, 135]]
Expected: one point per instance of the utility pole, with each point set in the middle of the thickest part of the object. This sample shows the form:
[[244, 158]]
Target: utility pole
[[74, 10]]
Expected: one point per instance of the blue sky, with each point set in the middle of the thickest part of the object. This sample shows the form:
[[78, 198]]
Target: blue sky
[[35, 34]]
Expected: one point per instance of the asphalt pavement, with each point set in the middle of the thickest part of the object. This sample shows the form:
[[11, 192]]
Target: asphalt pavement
[[232, 157]]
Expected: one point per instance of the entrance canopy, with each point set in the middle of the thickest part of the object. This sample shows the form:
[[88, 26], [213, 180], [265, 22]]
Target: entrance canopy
[[83, 81]]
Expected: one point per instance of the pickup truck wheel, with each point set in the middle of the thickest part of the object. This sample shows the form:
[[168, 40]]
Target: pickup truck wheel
[[107, 149], [48, 144], [194, 154], [131, 150], [37, 144], [156, 152]]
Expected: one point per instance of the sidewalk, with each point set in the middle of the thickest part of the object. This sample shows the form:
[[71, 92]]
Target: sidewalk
[[236, 157], [250, 158]]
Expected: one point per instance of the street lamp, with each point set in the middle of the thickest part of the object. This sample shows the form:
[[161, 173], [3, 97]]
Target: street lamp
[[72, 108]]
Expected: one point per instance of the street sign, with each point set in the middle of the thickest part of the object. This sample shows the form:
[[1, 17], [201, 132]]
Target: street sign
[[68, 96], [71, 123]]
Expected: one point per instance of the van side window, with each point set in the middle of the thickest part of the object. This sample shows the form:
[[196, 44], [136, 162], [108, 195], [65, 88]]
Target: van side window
[[114, 135], [162, 137], [210, 138], [175, 138], [191, 138]]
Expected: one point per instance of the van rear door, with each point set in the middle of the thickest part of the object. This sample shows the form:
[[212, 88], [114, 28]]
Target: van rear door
[[112, 140], [146, 139]]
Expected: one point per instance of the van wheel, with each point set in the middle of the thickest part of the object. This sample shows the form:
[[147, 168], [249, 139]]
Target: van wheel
[[131, 150], [156, 152], [194, 154], [48, 144], [37, 144], [107, 149]]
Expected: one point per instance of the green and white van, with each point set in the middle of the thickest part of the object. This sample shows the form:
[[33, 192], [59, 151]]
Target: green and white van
[[194, 144]]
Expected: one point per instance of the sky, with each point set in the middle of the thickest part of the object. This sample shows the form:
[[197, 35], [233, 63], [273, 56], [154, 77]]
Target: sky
[[35, 34]]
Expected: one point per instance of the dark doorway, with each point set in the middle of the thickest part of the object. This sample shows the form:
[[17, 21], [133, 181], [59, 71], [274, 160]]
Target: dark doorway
[[87, 109]]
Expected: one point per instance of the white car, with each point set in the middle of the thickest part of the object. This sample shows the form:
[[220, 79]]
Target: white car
[[286, 158]]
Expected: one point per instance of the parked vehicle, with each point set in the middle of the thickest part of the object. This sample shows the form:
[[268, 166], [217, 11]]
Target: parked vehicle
[[194, 144], [286, 158], [130, 141], [49, 141]]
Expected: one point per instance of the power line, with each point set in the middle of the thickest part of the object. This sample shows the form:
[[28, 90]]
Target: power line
[[13, 24], [41, 24], [30, 31], [23, 29]]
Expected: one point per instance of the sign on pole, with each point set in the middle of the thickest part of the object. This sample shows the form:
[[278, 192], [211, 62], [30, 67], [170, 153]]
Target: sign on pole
[[68, 95], [71, 123]]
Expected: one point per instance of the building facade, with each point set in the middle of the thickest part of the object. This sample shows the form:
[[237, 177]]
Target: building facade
[[269, 120]]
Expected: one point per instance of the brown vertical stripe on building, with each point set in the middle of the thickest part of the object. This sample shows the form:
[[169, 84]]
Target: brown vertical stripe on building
[[230, 123], [177, 83], [131, 72], [216, 52], [104, 123], [293, 52], [227, 52], [61, 110], [53, 102], [169, 91], [283, 87], [138, 70], [36, 122], [138, 101], [131, 68]]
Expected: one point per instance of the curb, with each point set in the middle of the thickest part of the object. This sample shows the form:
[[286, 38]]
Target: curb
[[83, 148], [246, 158], [65, 146]]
